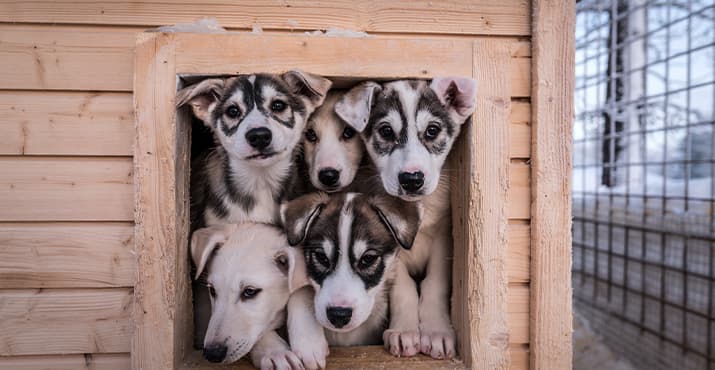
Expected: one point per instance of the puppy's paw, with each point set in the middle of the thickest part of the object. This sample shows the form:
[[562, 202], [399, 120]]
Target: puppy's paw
[[401, 343], [438, 344], [281, 360], [312, 353]]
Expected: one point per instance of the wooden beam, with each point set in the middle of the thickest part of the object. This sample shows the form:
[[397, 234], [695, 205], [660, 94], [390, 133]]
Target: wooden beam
[[64, 321], [66, 189], [519, 260], [66, 123], [552, 115], [67, 255], [490, 17], [89, 361], [519, 191]]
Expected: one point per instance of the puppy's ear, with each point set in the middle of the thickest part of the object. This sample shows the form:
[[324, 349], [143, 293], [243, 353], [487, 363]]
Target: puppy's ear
[[298, 215], [202, 97], [292, 263], [458, 94], [312, 88], [204, 242], [401, 218], [354, 107]]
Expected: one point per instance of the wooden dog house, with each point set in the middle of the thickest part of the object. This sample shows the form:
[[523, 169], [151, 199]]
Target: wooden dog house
[[94, 212]]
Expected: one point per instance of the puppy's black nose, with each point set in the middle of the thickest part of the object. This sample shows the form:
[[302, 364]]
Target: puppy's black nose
[[411, 181], [259, 138], [329, 176], [215, 352], [339, 316]]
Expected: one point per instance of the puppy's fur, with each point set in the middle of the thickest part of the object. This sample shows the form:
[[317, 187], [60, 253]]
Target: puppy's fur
[[248, 267], [409, 127], [349, 242], [239, 180], [332, 150]]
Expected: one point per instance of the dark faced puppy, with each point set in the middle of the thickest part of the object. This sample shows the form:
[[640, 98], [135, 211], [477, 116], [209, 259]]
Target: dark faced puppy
[[349, 242]]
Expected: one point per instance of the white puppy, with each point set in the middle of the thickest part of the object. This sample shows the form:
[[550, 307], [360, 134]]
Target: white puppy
[[248, 267]]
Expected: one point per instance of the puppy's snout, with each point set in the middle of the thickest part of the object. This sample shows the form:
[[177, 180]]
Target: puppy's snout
[[215, 352], [329, 176], [411, 181], [339, 316], [259, 138]]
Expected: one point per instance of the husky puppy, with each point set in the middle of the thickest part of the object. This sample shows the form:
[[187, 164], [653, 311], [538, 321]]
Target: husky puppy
[[408, 127], [332, 150], [349, 243], [248, 267], [257, 121]]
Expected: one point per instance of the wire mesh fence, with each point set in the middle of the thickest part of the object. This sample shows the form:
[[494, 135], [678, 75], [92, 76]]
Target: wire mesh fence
[[643, 180]]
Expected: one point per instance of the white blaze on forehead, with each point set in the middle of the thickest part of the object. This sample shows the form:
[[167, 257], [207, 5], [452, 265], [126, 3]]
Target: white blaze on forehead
[[252, 79], [409, 98], [268, 91], [329, 152]]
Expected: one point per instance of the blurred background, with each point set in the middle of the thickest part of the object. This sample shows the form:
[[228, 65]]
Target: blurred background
[[643, 185]]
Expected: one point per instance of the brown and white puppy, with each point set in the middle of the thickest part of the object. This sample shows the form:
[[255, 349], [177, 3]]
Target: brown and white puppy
[[257, 121], [349, 243], [332, 149], [248, 267], [408, 127]]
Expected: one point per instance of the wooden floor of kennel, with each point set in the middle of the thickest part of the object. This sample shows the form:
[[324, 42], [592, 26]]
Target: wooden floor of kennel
[[77, 287]]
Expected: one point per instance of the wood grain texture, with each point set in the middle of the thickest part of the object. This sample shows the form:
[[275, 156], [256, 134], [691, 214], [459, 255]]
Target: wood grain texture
[[162, 290], [520, 130], [552, 115], [518, 313], [68, 58], [519, 357], [66, 123], [59, 321], [519, 259], [519, 191], [486, 17], [64, 255], [87, 361], [480, 216], [66, 189]]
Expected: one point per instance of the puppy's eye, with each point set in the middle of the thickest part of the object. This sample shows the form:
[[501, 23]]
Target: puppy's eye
[[311, 136], [348, 133], [249, 292], [386, 132], [368, 259], [233, 112], [212, 291], [432, 131], [278, 106], [322, 259]]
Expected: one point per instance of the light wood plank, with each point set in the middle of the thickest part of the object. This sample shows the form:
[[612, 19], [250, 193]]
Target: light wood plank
[[552, 115], [519, 199], [520, 74], [87, 361], [66, 189], [64, 255], [480, 215], [518, 313], [519, 357], [65, 321], [66, 123], [490, 17], [520, 130], [66, 58], [518, 264]]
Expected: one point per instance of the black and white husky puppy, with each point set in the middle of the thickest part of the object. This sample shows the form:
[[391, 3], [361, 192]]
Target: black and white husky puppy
[[409, 127], [257, 121], [349, 242]]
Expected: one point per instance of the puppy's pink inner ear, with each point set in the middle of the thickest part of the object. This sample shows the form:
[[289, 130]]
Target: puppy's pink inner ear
[[461, 98]]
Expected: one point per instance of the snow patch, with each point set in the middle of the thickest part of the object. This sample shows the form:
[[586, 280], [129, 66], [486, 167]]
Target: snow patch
[[202, 25], [339, 32]]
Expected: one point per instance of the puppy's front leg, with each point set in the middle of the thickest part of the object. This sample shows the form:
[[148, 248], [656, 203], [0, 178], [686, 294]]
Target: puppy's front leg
[[403, 337], [306, 335], [271, 352], [436, 331]]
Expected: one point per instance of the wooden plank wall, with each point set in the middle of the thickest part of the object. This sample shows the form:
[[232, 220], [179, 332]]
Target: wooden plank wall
[[66, 193]]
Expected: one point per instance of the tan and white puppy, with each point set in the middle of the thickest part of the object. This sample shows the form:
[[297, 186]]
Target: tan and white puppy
[[408, 127], [332, 149], [248, 267], [349, 243]]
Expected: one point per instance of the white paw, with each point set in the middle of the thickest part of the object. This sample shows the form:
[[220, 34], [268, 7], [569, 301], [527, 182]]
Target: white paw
[[401, 343], [281, 360], [312, 352], [438, 344]]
